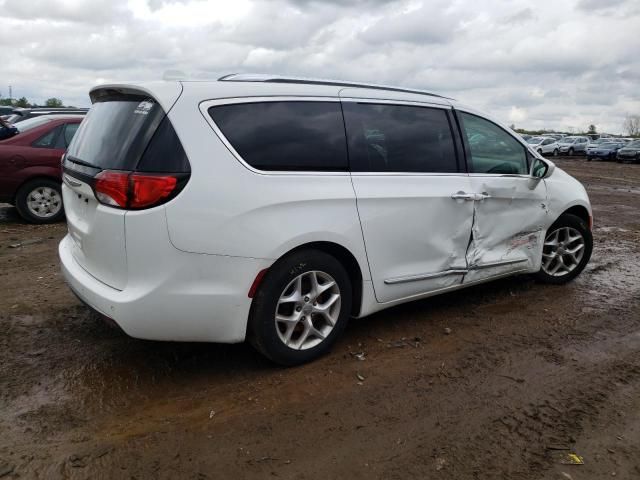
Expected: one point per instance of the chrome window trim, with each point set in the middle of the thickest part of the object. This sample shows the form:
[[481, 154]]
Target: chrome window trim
[[390, 101], [204, 106]]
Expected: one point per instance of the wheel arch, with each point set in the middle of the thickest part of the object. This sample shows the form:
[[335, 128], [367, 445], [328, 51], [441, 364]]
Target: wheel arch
[[346, 258], [44, 176], [580, 212]]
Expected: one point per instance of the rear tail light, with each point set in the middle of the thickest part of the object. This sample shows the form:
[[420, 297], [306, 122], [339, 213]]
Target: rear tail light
[[134, 190], [112, 188], [149, 190]]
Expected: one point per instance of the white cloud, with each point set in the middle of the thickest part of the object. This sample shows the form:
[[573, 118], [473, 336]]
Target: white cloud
[[537, 64]]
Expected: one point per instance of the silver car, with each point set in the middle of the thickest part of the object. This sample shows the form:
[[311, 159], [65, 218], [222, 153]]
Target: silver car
[[544, 145], [573, 145]]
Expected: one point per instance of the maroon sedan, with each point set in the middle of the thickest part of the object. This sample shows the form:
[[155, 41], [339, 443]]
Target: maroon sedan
[[30, 173]]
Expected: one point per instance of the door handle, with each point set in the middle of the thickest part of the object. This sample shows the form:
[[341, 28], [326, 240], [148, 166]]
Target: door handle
[[470, 197], [463, 196]]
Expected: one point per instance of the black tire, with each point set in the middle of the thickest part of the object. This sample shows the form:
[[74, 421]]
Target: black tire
[[263, 333], [540, 151], [589, 159], [556, 152], [571, 152], [24, 192], [572, 221]]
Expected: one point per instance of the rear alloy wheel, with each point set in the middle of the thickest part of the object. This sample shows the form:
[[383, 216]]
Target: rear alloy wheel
[[555, 152], [40, 201], [566, 250], [571, 152], [301, 308]]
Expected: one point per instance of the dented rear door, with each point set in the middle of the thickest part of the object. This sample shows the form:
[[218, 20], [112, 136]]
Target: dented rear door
[[406, 177]]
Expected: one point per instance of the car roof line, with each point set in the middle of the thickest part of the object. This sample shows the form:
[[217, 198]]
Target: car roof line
[[266, 78]]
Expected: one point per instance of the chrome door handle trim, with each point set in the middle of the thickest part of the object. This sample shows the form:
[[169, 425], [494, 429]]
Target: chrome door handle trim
[[477, 197], [462, 196]]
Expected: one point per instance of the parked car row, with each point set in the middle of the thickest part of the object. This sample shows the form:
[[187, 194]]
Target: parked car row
[[604, 148], [548, 145], [17, 115]]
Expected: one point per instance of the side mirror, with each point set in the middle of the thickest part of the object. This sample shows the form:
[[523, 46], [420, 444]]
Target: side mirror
[[540, 169]]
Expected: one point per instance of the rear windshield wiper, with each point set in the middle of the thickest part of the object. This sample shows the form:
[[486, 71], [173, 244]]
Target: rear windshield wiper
[[81, 162]]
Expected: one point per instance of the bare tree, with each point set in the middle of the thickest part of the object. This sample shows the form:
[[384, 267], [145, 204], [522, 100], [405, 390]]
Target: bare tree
[[631, 125]]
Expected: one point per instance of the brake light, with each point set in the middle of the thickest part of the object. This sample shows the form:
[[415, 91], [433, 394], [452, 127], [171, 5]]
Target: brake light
[[112, 188], [133, 190], [148, 190]]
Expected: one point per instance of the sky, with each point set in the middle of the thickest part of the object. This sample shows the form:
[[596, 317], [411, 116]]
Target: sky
[[560, 65]]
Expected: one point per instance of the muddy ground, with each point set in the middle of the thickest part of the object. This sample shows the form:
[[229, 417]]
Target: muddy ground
[[526, 374]]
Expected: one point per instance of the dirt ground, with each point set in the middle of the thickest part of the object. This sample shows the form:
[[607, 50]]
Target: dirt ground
[[499, 381]]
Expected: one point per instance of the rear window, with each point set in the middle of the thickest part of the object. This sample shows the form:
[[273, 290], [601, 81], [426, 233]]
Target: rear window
[[293, 135], [128, 133]]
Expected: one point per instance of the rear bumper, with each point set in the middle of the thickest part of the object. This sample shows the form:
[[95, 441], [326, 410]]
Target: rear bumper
[[193, 297]]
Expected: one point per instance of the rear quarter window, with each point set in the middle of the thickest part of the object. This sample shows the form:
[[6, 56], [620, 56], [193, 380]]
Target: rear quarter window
[[285, 135]]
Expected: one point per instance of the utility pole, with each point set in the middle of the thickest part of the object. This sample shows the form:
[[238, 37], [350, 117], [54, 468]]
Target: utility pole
[[10, 94]]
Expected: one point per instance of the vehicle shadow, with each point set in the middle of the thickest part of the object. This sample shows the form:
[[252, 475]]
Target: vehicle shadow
[[9, 214]]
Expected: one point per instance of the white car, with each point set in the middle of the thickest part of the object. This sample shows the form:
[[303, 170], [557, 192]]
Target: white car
[[544, 145], [273, 209]]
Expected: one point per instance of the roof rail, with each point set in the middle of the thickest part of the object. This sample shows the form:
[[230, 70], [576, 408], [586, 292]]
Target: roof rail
[[261, 77]]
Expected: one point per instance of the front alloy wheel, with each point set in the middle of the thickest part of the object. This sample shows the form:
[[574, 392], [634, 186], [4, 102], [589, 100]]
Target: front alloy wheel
[[566, 250], [562, 252]]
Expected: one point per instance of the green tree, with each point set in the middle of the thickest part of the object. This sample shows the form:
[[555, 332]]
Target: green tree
[[592, 129], [22, 102], [53, 102]]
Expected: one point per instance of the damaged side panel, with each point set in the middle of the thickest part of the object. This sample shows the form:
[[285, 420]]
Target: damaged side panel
[[415, 234], [508, 226]]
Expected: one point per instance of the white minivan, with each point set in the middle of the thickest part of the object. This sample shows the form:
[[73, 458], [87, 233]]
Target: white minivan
[[273, 209]]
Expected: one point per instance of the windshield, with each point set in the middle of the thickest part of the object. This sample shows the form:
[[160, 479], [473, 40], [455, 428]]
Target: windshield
[[634, 144], [568, 140], [30, 123], [535, 140]]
